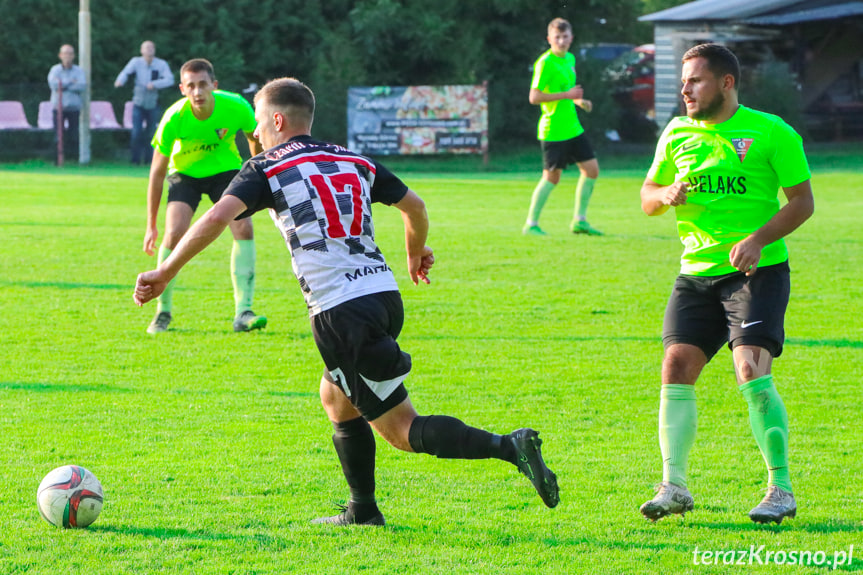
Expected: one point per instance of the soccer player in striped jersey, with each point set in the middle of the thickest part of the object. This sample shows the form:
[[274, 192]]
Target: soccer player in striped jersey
[[721, 168], [319, 196]]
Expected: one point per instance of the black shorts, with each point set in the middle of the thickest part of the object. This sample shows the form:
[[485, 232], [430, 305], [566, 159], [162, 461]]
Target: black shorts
[[559, 155], [710, 311], [186, 189], [357, 341]]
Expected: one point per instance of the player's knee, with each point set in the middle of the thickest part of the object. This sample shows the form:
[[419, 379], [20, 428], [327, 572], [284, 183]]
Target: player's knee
[[748, 370], [400, 442], [591, 172], [589, 169], [751, 363], [681, 366], [552, 176], [395, 426], [242, 229], [745, 371], [171, 240]]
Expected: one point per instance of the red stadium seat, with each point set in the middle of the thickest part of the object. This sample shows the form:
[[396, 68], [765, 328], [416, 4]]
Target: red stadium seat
[[102, 116], [12, 116]]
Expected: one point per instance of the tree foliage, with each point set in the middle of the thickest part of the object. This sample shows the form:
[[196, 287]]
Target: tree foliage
[[329, 45]]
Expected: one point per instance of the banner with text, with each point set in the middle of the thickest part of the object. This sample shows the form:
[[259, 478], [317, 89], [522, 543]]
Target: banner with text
[[385, 120]]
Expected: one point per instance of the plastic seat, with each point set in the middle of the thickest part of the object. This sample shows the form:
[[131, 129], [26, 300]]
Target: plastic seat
[[12, 116], [127, 115], [45, 120], [102, 116]]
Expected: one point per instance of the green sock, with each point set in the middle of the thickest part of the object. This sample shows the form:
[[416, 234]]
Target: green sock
[[243, 274], [678, 421], [163, 303], [583, 191], [769, 422], [537, 201]]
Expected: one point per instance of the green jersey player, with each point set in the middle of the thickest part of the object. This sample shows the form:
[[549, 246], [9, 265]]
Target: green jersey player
[[720, 168], [195, 147], [562, 138]]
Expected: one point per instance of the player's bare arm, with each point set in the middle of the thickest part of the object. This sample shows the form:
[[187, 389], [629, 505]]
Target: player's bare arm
[[158, 170], [209, 227], [585, 105], [537, 97], [656, 198], [420, 256], [746, 254]]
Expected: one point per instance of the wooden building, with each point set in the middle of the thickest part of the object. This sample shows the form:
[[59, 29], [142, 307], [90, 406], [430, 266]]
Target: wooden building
[[820, 42]]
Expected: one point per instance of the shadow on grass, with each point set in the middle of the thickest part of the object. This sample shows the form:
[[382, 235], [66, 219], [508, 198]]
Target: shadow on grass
[[48, 224], [60, 387], [537, 337], [66, 285], [836, 526], [838, 343], [163, 534], [824, 342]]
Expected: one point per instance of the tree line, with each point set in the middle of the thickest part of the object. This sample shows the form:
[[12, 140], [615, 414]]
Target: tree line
[[330, 45]]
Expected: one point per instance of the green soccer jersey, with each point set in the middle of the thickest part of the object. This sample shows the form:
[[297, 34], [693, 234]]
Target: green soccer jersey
[[553, 74], [734, 170], [201, 148]]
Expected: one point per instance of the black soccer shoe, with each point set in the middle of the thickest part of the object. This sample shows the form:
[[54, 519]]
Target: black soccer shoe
[[529, 461], [347, 517]]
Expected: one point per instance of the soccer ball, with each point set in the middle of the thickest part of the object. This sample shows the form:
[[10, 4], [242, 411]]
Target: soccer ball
[[70, 496]]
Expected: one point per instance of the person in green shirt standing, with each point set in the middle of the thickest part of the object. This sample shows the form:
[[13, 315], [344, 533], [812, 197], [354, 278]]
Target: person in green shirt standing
[[195, 147], [720, 168], [561, 135]]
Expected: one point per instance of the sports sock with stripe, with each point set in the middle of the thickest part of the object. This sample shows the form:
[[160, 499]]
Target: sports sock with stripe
[[243, 274], [678, 422], [769, 421]]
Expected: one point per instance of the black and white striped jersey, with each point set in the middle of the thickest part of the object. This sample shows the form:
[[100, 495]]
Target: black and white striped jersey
[[319, 196]]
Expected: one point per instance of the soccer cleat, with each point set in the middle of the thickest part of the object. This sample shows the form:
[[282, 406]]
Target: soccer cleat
[[160, 322], [533, 231], [669, 499], [347, 517], [776, 506], [529, 461], [247, 321], [582, 227]]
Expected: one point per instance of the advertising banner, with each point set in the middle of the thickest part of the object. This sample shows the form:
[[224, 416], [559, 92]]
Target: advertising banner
[[387, 120]]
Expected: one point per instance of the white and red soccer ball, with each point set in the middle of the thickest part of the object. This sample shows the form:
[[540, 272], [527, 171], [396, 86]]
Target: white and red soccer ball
[[70, 496]]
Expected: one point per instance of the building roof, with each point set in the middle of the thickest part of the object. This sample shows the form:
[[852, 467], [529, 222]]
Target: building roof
[[702, 10], [810, 15]]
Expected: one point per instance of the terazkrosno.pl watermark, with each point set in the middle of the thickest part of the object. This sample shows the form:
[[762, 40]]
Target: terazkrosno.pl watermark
[[759, 555]]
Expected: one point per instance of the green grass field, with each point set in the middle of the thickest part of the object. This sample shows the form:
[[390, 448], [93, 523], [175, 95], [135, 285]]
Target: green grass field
[[215, 453]]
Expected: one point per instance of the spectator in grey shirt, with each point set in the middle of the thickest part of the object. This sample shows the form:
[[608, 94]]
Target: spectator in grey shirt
[[151, 75], [71, 79]]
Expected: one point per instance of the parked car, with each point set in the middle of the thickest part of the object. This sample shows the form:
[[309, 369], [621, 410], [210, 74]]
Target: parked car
[[605, 52], [632, 75], [632, 78]]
